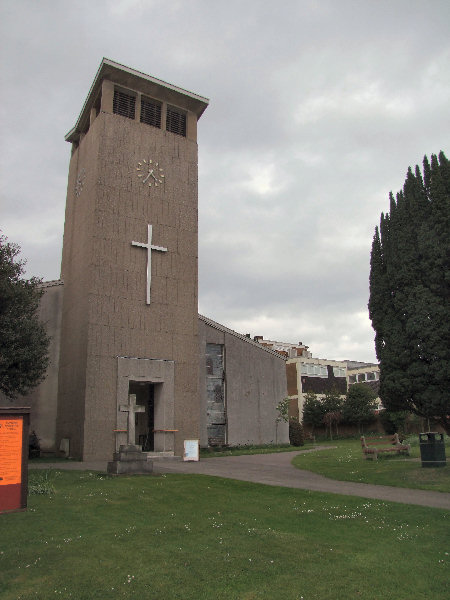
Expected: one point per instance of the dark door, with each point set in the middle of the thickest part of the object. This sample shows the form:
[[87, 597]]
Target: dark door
[[145, 396]]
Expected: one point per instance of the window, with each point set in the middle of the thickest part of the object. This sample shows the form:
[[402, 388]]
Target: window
[[214, 360], [312, 370], [361, 377], [176, 121], [124, 104], [150, 112], [352, 379], [338, 371], [371, 376]]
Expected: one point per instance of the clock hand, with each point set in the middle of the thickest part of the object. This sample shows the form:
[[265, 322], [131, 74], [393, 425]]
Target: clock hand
[[149, 173]]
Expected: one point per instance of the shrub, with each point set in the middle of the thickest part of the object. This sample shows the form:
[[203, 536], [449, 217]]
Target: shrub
[[296, 434], [34, 447], [393, 421]]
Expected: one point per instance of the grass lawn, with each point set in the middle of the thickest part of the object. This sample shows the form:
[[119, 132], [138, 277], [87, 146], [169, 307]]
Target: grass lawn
[[205, 538], [347, 463]]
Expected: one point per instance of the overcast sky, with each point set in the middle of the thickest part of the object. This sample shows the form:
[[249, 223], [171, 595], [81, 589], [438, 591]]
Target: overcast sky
[[317, 108]]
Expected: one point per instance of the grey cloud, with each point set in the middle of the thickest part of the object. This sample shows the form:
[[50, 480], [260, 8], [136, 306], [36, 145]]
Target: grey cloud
[[317, 109]]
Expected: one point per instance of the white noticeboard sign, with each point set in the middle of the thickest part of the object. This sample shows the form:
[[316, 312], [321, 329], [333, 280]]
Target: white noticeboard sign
[[191, 450]]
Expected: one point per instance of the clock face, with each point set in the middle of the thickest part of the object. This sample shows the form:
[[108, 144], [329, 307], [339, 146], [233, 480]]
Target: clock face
[[80, 182], [150, 173]]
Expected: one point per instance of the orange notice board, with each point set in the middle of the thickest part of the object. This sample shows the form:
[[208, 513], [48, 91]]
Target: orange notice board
[[13, 460], [11, 431]]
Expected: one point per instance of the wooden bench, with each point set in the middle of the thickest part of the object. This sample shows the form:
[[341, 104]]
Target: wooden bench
[[372, 447]]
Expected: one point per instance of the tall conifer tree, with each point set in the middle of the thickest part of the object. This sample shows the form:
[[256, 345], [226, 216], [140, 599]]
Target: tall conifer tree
[[410, 293]]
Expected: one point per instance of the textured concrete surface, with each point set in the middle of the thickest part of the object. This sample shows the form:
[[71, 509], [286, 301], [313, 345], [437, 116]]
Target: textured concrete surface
[[105, 314], [276, 470], [255, 384]]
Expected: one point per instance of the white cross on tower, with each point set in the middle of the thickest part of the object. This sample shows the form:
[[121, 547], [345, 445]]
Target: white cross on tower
[[149, 247], [131, 408]]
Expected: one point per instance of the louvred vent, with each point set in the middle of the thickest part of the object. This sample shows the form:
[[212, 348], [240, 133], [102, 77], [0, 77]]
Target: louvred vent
[[150, 112], [124, 104], [176, 121]]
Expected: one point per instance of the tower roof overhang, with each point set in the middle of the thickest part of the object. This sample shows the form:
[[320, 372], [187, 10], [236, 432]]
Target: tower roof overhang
[[146, 84]]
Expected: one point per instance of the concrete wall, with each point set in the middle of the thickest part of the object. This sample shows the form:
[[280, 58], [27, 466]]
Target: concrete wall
[[255, 384], [105, 314]]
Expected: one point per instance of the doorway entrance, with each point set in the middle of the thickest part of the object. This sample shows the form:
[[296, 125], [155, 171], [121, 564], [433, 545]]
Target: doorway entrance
[[153, 383], [144, 421]]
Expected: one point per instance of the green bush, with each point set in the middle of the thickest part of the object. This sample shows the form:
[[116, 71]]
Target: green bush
[[296, 433], [393, 421]]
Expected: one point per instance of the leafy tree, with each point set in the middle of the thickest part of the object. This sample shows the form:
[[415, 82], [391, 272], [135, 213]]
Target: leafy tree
[[332, 401], [359, 405], [324, 411], [283, 411], [313, 410], [331, 418], [23, 340], [410, 292], [283, 415], [332, 404]]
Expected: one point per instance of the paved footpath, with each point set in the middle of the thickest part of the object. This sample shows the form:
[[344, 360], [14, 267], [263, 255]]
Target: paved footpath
[[276, 469]]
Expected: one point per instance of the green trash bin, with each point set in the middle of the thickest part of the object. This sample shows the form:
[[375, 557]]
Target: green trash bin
[[432, 449]]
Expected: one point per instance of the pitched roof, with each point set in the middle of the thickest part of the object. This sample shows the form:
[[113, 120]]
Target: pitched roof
[[243, 338]]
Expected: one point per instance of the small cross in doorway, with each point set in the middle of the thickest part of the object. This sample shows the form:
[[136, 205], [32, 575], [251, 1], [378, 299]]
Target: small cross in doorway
[[131, 408]]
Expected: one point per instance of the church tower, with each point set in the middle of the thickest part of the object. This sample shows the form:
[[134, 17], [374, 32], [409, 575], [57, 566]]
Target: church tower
[[129, 266]]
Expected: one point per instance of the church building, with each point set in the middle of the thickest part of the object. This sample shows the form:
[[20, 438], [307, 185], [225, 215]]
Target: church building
[[124, 316]]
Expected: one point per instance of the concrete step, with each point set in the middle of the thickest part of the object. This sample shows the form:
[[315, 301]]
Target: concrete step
[[161, 456]]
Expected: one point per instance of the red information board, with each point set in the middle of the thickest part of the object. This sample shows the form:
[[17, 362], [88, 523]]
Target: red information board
[[13, 458]]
